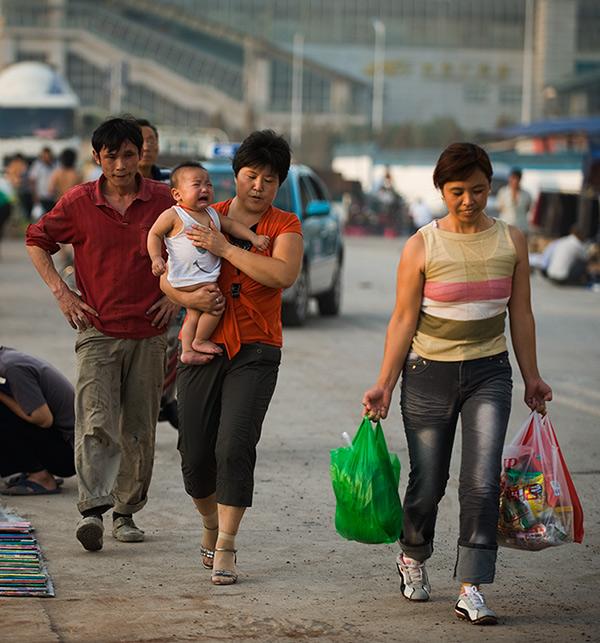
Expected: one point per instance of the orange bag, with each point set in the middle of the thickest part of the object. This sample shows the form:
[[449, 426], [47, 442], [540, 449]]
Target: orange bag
[[539, 506]]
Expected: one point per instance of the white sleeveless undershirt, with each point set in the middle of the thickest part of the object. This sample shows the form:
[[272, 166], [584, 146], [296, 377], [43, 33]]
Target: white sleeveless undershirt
[[189, 265]]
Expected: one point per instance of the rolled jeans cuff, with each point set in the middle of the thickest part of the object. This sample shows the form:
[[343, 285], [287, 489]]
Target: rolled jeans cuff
[[417, 552], [476, 564]]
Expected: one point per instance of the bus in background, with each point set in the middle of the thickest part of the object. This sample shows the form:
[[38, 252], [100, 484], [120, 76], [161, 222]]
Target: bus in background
[[38, 109]]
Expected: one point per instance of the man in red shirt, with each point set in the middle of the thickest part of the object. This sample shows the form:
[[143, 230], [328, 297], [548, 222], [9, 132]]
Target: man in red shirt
[[120, 315]]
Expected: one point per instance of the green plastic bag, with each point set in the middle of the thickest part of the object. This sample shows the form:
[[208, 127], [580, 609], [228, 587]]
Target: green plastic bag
[[365, 479]]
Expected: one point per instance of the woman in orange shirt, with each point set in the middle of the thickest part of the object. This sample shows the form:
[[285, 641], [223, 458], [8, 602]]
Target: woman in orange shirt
[[222, 403]]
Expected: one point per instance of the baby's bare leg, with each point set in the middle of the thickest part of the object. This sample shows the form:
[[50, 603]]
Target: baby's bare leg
[[188, 332], [204, 329], [196, 348]]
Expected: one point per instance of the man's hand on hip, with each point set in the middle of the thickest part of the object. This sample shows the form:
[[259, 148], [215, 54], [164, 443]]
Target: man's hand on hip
[[75, 309]]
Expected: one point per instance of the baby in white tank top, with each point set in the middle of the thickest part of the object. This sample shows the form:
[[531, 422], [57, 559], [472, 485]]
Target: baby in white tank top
[[190, 267]]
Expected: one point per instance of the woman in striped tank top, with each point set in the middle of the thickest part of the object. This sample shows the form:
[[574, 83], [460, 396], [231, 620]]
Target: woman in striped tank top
[[456, 279]]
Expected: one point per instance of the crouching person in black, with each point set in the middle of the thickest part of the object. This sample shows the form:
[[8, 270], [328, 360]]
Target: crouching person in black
[[37, 420]]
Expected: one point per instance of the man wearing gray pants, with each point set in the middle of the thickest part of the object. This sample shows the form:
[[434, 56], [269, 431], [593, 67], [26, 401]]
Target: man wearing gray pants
[[121, 316]]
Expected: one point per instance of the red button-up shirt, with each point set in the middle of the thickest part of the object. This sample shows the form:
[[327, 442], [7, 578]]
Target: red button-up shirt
[[112, 266]]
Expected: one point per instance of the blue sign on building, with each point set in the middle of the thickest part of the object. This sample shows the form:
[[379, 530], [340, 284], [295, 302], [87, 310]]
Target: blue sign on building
[[224, 150]]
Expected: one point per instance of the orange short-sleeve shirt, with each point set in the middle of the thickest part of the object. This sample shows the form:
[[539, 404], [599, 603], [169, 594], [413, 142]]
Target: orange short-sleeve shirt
[[252, 311]]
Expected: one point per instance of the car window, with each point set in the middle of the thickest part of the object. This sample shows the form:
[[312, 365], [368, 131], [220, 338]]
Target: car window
[[283, 200], [223, 184], [305, 193], [317, 189]]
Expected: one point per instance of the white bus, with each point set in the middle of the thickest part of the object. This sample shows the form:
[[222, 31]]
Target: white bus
[[38, 109]]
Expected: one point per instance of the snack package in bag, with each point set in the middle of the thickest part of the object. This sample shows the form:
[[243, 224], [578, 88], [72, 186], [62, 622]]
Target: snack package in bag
[[539, 506], [365, 479]]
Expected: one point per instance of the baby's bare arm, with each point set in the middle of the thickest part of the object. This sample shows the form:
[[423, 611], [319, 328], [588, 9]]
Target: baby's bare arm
[[237, 229], [160, 229]]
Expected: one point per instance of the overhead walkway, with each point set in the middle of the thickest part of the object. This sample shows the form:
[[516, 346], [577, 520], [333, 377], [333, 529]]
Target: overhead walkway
[[174, 67], [147, 42]]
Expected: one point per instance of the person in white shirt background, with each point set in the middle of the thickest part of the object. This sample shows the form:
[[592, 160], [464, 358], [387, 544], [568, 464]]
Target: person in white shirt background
[[420, 214], [514, 203], [39, 179], [567, 263]]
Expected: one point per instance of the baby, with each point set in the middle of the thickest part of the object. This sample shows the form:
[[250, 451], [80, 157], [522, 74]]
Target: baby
[[191, 267]]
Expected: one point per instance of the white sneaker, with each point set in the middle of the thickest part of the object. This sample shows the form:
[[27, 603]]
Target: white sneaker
[[471, 607], [414, 582]]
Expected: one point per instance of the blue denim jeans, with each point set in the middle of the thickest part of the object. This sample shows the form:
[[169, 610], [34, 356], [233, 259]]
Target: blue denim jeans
[[434, 395]]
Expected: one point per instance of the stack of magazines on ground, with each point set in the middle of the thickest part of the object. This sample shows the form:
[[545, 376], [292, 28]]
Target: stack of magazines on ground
[[22, 568]]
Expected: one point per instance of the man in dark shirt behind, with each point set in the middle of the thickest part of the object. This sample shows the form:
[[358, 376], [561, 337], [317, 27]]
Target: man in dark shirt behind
[[149, 155], [120, 317], [149, 169]]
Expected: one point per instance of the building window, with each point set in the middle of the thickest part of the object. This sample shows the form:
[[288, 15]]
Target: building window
[[510, 95], [476, 92]]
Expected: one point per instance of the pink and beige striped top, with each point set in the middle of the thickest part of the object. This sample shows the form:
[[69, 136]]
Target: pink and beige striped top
[[468, 282]]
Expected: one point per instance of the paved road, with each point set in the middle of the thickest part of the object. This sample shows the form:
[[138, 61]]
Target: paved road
[[299, 580]]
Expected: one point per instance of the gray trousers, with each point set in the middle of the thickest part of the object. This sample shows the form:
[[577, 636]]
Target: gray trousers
[[434, 395], [119, 384]]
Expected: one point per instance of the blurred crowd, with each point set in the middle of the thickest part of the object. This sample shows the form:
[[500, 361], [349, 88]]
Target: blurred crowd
[[30, 187]]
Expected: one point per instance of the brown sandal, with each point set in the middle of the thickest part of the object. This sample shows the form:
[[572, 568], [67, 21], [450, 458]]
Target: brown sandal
[[225, 576]]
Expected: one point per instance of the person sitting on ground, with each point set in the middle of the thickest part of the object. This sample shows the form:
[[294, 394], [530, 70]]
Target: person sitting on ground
[[189, 267], [37, 420], [541, 260], [567, 263]]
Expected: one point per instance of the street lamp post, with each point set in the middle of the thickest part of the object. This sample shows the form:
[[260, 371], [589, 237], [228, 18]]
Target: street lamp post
[[527, 95], [297, 86], [378, 76]]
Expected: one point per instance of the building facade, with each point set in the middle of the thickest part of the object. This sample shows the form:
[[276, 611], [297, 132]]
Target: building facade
[[233, 63]]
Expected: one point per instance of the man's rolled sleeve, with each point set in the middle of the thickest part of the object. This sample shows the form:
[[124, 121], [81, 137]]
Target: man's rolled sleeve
[[53, 228]]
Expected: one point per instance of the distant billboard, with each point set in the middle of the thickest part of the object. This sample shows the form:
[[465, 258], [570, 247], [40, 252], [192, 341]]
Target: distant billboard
[[223, 150]]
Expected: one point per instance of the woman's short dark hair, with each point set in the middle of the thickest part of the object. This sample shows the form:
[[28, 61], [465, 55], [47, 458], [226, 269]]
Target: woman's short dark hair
[[264, 148], [114, 132], [458, 161], [68, 157]]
